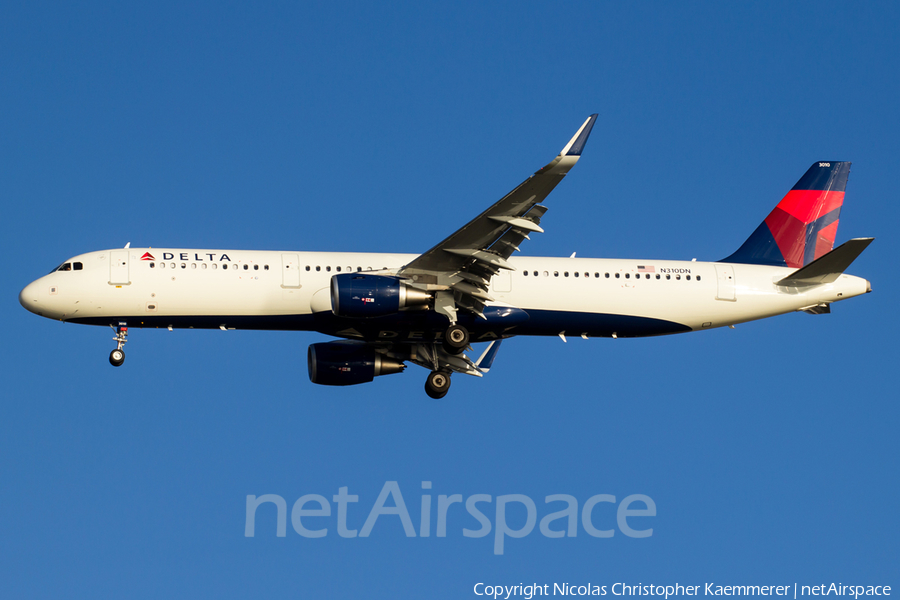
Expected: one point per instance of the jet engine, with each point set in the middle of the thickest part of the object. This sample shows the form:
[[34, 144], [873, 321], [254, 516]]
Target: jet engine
[[348, 363], [361, 295]]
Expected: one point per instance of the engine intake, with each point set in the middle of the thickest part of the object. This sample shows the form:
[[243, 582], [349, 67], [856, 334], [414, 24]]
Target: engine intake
[[360, 295], [348, 363]]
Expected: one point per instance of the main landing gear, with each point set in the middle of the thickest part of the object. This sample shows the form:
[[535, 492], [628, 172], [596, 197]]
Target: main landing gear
[[438, 384], [456, 338], [117, 356]]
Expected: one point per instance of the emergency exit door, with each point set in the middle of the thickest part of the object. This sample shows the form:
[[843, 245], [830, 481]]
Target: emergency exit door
[[290, 270]]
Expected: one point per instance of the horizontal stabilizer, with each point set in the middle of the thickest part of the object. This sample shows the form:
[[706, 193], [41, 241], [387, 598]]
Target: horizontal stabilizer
[[829, 267]]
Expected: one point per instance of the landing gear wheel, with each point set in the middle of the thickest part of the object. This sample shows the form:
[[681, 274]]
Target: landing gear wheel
[[456, 338], [438, 384], [116, 358]]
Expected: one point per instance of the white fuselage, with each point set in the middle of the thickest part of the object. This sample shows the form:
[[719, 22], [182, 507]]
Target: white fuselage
[[282, 290]]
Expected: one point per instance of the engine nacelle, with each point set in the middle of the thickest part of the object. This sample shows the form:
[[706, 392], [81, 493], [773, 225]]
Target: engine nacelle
[[362, 295], [348, 363]]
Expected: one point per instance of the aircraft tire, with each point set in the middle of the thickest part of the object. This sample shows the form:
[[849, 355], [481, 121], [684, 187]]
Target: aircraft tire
[[438, 384], [456, 338], [116, 358]]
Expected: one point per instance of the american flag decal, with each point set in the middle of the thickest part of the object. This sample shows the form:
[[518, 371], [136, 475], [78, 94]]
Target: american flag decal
[[645, 269]]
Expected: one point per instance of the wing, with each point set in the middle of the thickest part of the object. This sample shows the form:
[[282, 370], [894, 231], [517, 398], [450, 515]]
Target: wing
[[459, 269]]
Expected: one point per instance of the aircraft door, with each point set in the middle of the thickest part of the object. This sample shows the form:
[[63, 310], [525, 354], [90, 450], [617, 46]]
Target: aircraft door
[[290, 270], [118, 267], [725, 278]]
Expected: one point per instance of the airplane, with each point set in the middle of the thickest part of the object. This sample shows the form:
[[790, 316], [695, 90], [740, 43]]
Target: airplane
[[426, 309]]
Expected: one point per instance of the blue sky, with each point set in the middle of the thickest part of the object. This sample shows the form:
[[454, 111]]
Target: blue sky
[[769, 450]]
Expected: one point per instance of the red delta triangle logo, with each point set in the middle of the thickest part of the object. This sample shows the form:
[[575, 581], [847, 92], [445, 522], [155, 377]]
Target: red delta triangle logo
[[147, 256]]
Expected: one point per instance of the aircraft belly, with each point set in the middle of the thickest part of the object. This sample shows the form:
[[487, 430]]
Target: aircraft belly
[[596, 324]]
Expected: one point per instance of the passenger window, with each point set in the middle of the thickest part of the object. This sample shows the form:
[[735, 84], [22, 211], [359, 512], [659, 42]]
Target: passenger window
[[338, 269], [256, 267], [266, 268], [668, 277], [215, 266], [172, 265], [577, 273], [647, 276], [183, 266], [678, 277], [318, 268], [162, 265], [359, 269], [152, 265], [307, 267], [627, 275], [698, 278], [617, 275], [566, 273], [225, 266], [546, 273], [525, 273], [688, 277], [203, 266], [607, 275], [193, 265], [556, 273], [246, 267], [657, 275], [328, 269]]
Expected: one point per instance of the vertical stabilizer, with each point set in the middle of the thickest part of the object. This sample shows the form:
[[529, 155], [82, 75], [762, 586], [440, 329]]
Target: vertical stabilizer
[[803, 226]]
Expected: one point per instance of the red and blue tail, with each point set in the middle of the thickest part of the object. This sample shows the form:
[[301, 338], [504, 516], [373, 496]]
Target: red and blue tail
[[803, 225]]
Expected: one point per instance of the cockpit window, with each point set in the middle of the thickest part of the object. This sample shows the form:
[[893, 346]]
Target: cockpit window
[[68, 267]]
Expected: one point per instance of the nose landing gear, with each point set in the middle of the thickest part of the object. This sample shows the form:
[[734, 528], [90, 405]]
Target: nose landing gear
[[117, 356]]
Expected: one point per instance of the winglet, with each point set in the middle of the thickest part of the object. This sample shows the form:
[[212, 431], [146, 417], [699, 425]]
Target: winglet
[[487, 359], [829, 267], [569, 155], [576, 144]]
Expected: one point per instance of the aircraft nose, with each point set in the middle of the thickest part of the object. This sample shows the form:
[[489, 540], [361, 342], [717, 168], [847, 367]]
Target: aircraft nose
[[28, 298]]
